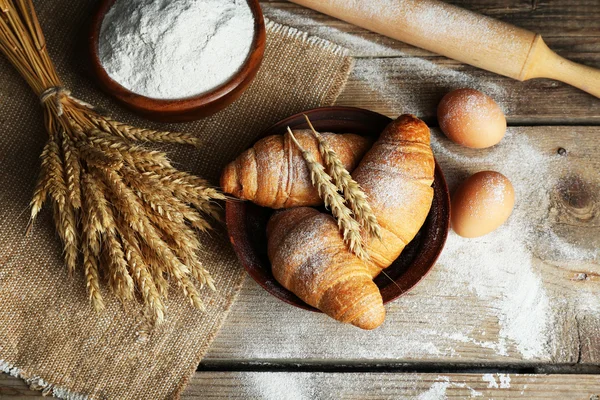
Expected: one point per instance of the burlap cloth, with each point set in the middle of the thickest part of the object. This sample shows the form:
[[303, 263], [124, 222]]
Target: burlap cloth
[[48, 334]]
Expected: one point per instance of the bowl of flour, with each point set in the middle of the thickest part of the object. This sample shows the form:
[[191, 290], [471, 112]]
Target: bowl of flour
[[177, 60]]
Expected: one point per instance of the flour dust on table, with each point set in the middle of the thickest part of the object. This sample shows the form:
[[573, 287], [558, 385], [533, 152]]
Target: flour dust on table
[[381, 74], [508, 257], [515, 311], [175, 49], [405, 96]]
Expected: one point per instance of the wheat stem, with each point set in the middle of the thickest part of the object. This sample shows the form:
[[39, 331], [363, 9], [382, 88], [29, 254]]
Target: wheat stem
[[348, 226], [137, 231], [353, 193]]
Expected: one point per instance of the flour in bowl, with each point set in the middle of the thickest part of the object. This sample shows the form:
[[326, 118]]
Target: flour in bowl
[[166, 49]]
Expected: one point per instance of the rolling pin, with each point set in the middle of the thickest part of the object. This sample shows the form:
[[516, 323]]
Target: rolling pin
[[462, 35]]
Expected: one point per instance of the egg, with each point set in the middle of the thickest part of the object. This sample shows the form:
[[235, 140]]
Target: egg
[[471, 118], [481, 204]]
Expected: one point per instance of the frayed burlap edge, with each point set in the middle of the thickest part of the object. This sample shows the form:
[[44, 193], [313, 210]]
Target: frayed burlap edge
[[330, 98], [47, 388], [304, 37], [37, 383]]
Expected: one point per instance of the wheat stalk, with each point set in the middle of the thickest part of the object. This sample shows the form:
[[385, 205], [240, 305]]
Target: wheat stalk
[[348, 226], [353, 193], [128, 212]]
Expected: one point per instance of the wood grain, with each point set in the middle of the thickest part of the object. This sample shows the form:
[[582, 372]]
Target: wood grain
[[319, 385], [437, 322], [391, 77], [359, 386]]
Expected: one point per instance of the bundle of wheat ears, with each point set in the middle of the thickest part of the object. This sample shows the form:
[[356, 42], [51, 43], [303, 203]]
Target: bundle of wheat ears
[[122, 210]]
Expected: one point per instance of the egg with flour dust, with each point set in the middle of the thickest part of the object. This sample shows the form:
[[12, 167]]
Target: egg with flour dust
[[481, 204], [471, 118]]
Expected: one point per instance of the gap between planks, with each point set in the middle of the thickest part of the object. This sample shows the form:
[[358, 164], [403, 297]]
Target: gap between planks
[[387, 366], [261, 327], [318, 385]]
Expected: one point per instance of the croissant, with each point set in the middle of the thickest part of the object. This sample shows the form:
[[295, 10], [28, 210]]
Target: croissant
[[307, 252], [273, 173]]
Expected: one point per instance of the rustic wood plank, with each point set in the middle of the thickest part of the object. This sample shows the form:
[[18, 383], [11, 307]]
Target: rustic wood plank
[[15, 389], [448, 318], [318, 385], [397, 85], [568, 27], [391, 77], [293, 385], [435, 323]]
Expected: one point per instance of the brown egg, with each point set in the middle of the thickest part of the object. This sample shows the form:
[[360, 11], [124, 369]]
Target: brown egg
[[481, 204], [471, 118]]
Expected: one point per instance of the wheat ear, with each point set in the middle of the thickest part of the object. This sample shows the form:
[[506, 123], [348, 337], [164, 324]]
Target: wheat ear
[[355, 196], [348, 226]]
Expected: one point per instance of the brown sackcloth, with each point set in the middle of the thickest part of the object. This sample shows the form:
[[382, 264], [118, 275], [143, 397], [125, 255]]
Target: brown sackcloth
[[48, 333]]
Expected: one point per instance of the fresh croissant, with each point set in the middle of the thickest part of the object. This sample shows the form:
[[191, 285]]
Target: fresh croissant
[[308, 255], [274, 174]]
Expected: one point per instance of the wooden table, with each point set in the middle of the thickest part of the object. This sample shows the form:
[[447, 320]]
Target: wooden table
[[444, 339]]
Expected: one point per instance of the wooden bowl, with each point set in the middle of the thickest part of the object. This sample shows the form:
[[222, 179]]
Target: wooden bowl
[[187, 109], [246, 222]]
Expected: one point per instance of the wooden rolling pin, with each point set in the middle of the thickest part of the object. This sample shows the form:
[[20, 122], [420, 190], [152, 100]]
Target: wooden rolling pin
[[463, 35]]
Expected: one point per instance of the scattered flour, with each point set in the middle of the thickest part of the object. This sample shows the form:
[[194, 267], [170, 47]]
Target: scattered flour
[[314, 23], [279, 386], [502, 383], [430, 19], [398, 82], [498, 270], [390, 70], [504, 258], [489, 378], [175, 49], [333, 386], [436, 392]]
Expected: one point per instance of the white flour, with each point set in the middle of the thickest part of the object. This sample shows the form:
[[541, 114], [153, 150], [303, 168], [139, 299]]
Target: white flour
[[398, 82], [389, 69], [436, 392], [504, 258], [333, 386], [511, 313], [167, 49], [503, 381]]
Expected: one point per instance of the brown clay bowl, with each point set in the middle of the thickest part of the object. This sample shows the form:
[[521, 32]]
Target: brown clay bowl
[[187, 109], [246, 222]]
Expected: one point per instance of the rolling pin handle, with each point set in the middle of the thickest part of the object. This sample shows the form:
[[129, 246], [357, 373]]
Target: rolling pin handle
[[542, 62]]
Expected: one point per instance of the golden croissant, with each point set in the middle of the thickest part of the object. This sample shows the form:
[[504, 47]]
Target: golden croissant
[[274, 174], [307, 252]]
